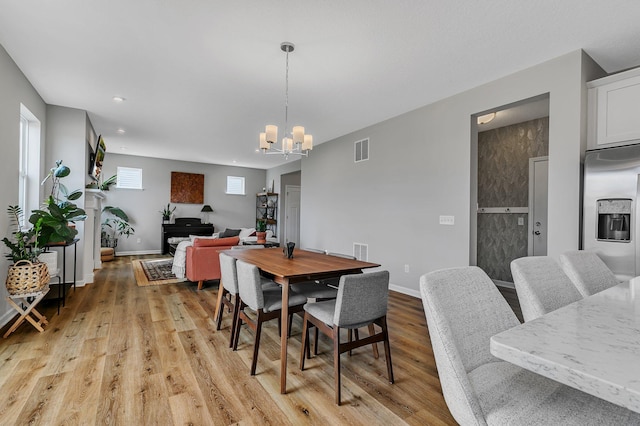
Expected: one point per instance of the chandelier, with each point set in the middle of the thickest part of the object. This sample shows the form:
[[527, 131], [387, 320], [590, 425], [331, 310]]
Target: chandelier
[[294, 143]]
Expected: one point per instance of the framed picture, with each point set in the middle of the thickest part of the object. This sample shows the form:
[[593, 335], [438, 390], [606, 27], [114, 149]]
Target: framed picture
[[187, 188]]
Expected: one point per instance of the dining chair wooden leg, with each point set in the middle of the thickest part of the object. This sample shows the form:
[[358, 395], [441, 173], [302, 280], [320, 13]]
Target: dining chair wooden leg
[[219, 305], [387, 348], [372, 331], [236, 335], [234, 321], [304, 350], [256, 345], [200, 284], [336, 362]]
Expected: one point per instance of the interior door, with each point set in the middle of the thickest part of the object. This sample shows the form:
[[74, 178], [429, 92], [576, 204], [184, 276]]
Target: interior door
[[292, 215], [538, 203]]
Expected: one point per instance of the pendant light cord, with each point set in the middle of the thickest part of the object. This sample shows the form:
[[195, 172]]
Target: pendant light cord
[[286, 96]]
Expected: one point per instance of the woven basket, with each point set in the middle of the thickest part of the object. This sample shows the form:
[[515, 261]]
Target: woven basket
[[26, 277]]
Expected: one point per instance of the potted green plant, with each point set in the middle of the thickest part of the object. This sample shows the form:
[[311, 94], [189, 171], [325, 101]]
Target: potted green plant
[[58, 210], [167, 212], [24, 242], [108, 183], [115, 224], [261, 231], [27, 274]]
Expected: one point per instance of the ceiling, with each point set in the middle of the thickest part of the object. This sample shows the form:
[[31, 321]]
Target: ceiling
[[202, 78]]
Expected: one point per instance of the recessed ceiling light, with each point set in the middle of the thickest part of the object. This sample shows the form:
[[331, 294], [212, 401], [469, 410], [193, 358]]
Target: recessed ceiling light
[[234, 161], [484, 119], [121, 131], [123, 148], [118, 99]]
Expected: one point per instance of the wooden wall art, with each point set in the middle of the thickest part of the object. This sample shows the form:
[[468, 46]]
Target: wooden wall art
[[187, 188]]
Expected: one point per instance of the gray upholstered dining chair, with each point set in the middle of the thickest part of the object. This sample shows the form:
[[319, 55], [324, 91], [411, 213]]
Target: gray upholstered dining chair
[[587, 271], [265, 301], [362, 300], [541, 286], [228, 291], [464, 309]]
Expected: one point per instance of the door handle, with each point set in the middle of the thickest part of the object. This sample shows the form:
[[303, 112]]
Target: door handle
[[536, 232]]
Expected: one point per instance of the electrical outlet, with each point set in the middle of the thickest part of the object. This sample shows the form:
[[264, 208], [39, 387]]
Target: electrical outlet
[[139, 240], [406, 268], [521, 221], [447, 220]]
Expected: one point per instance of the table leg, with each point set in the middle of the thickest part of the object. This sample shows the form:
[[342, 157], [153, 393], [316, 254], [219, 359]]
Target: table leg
[[217, 316], [283, 337], [64, 275], [75, 256]]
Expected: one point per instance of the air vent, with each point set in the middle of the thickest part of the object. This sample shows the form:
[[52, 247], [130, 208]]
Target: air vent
[[361, 251], [361, 150]]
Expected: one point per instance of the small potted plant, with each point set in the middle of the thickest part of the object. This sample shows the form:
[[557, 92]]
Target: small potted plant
[[167, 212], [261, 231], [115, 224]]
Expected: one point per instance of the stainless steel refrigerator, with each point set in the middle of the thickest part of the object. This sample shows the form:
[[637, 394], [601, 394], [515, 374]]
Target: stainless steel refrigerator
[[610, 214]]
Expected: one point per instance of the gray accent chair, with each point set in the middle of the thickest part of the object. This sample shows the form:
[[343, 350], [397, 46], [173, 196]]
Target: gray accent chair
[[464, 309], [361, 301], [265, 301], [541, 286], [587, 271], [228, 292]]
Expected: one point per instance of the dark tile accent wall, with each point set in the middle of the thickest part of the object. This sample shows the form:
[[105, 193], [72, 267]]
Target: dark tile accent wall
[[503, 181]]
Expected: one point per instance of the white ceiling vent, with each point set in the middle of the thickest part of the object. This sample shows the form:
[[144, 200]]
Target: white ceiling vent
[[361, 251], [361, 150]]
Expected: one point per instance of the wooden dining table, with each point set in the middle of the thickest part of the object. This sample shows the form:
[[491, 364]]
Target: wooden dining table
[[592, 345], [304, 266]]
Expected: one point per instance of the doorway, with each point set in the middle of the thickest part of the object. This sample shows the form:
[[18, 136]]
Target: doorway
[[292, 214], [538, 203], [501, 153]]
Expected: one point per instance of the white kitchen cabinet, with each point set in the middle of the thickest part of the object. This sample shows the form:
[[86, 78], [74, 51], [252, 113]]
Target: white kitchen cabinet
[[614, 110]]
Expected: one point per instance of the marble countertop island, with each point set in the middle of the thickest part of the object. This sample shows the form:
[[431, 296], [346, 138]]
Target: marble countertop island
[[592, 345]]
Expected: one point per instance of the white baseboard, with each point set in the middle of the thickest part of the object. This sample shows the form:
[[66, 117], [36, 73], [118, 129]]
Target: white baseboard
[[404, 290], [4, 320]]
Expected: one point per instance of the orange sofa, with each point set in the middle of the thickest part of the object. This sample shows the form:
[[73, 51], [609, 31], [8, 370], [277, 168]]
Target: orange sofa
[[203, 262]]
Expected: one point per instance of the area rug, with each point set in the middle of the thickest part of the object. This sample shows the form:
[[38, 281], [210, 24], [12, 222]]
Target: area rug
[[154, 272]]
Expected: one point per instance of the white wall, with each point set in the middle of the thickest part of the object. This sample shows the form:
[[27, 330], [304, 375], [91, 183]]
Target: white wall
[[420, 168], [67, 141], [14, 89], [230, 211]]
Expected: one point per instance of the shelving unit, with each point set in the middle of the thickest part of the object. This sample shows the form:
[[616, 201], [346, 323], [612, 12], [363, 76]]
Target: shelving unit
[[267, 209]]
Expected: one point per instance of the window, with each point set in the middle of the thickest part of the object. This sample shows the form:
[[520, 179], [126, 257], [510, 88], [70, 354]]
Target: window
[[361, 150], [28, 163], [129, 178], [235, 185], [23, 169]]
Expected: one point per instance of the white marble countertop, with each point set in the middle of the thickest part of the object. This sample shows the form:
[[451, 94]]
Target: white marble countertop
[[592, 345]]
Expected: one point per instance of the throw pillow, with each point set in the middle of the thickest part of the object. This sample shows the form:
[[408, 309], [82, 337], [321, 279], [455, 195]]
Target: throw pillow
[[246, 232], [230, 233], [210, 237]]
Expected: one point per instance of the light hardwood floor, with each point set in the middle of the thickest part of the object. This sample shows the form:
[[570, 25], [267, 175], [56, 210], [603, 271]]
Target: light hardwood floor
[[127, 355]]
